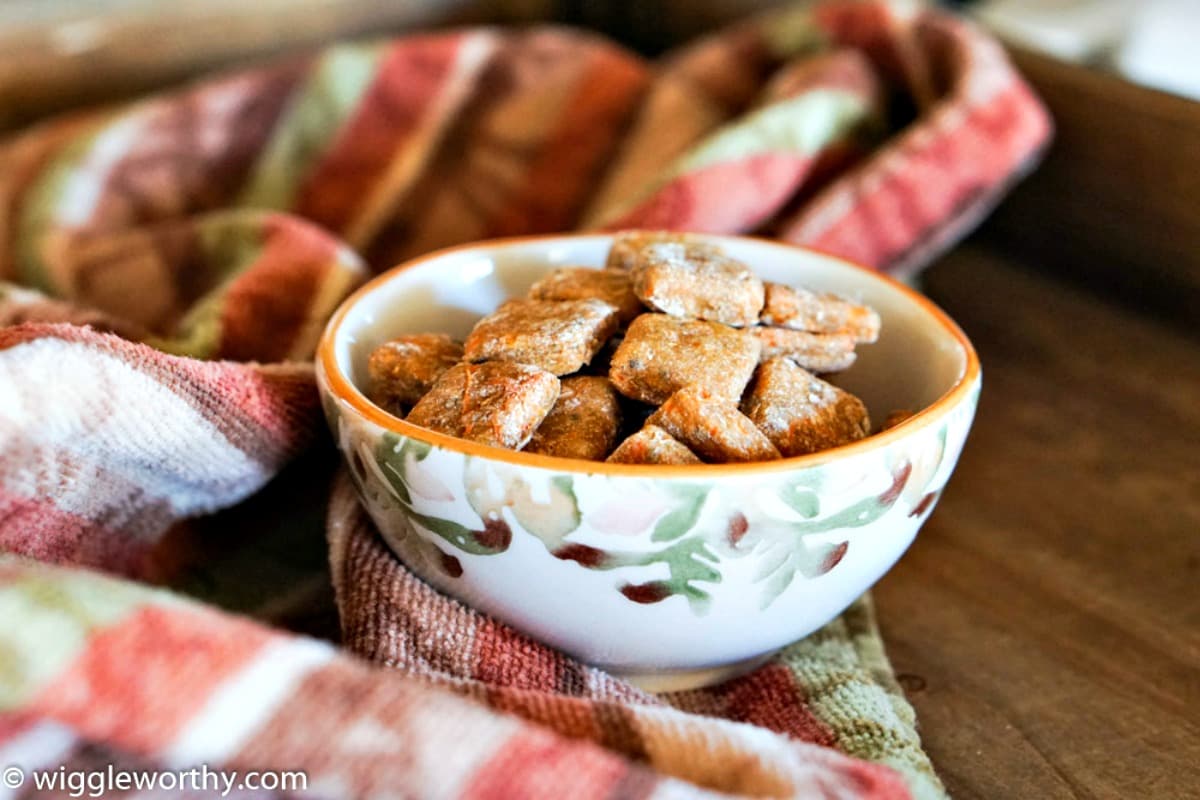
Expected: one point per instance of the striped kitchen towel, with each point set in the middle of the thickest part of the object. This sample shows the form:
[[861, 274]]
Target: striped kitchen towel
[[100, 673], [167, 266], [833, 689]]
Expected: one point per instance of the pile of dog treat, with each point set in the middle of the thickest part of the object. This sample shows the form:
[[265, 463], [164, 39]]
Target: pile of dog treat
[[673, 353]]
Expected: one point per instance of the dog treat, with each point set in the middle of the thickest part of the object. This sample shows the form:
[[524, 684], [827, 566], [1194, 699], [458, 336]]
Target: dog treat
[[818, 312], [660, 355], [403, 369], [712, 427], [583, 422], [800, 413], [693, 282], [558, 336], [816, 352], [652, 445], [627, 246], [651, 355], [497, 403], [582, 283]]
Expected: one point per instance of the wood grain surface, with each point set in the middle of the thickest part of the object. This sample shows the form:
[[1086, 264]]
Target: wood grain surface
[[1046, 623], [1117, 200]]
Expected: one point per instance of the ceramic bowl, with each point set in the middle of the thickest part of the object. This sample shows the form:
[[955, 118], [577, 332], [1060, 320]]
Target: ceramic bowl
[[671, 576]]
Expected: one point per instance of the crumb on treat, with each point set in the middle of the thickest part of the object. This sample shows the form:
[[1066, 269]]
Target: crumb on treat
[[818, 312], [712, 427], [583, 422], [497, 403], [816, 352], [402, 370], [652, 445], [799, 412], [673, 353], [660, 355], [582, 283], [626, 246], [558, 336], [696, 283]]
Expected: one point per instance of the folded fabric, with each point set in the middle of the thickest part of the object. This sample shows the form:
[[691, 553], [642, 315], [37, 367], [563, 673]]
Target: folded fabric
[[150, 220], [100, 672], [204, 236], [833, 689]]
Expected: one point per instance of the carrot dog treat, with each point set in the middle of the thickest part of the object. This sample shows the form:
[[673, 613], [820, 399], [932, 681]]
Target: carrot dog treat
[[684, 280], [582, 283], [441, 409], [669, 382], [712, 427], [404, 369], [660, 355], [800, 413], [652, 445], [558, 336], [498, 403], [583, 422], [805, 310], [816, 352], [625, 249]]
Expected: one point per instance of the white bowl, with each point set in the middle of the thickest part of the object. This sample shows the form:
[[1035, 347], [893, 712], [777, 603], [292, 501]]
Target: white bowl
[[671, 576]]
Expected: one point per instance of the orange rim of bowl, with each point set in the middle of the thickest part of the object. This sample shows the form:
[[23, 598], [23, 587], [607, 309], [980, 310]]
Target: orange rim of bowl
[[344, 389]]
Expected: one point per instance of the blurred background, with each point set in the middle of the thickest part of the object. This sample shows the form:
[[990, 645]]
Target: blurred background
[[1115, 202], [56, 54], [1044, 625]]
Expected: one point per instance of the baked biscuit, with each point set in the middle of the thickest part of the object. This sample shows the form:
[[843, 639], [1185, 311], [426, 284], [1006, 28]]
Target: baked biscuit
[[712, 427], [800, 413], [693, 282], [652, 445], [818, 312], [660, 355], [581, 283], [816, 352], [626, 246], [498, 403], [558, 336], [402, 370], [583, 422]]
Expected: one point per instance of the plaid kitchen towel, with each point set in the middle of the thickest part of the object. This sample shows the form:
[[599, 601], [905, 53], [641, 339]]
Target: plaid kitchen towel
[[165, 270], [834, 689], [99, 672]]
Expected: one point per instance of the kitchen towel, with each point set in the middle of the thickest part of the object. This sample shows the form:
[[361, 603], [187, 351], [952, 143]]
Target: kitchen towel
[[167, 266]]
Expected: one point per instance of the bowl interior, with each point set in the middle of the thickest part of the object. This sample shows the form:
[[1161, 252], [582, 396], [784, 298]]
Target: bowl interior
[[916, 360]]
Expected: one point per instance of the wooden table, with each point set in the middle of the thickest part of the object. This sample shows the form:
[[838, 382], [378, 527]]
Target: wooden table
[[1046, 623]]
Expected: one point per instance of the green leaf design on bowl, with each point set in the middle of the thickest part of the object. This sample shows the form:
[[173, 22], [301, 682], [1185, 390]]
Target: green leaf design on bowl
[[392, 455], [683, 518], [550, 521], [692, 554]]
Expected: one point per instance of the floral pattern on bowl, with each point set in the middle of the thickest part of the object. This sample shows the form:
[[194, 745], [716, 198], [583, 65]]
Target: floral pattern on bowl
[[441, 505], [685, 571]]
